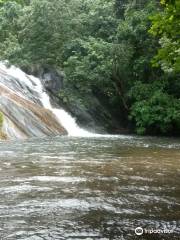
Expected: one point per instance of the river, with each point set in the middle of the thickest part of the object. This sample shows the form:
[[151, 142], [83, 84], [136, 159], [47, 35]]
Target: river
[[89, 188]]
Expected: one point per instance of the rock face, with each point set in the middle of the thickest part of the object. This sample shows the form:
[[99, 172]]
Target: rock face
[[24, 115], [52, 79]]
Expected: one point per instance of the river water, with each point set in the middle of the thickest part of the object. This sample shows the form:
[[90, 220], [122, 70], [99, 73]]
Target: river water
[[89, 188]]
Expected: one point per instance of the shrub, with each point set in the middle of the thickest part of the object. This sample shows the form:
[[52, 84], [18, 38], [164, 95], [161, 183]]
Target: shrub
[[156, 112]]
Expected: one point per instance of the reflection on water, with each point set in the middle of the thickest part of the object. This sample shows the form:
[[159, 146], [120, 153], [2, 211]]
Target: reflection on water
[[96, 188]]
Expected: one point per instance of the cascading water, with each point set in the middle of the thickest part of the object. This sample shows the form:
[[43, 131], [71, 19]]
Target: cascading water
[[35, 86], [67, 121]]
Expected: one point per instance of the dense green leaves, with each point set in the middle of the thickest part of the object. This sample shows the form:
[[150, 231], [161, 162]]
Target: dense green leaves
[[36, 33], [91, 64], [154, 110], [166, 26]]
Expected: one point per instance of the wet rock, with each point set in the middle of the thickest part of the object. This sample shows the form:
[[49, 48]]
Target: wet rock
[[23, 114], [52, 79]]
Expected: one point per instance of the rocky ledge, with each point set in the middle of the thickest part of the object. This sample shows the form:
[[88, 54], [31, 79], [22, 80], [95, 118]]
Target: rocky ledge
[[23, 118]]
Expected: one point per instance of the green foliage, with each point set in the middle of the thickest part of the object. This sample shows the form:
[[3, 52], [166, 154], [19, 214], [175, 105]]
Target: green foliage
[[154, 110], [98, 19], [166, 26], [90, 59], [90, 65], [9, 29], [133, 31], [36, 33], [44, 31], [5, 1]]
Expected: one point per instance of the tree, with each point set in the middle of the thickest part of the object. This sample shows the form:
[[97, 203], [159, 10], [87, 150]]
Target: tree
[[154, 110], [133, 64], [155, 105], [36, 33], [23, 2], [9, 28], [166, 27], [93, 60]]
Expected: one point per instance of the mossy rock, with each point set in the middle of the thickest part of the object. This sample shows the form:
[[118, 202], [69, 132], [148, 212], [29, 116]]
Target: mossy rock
[[3, 136], [1, 119]]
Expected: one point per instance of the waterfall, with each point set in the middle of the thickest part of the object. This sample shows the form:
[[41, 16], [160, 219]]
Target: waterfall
[[66, 120], [30, 83]]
